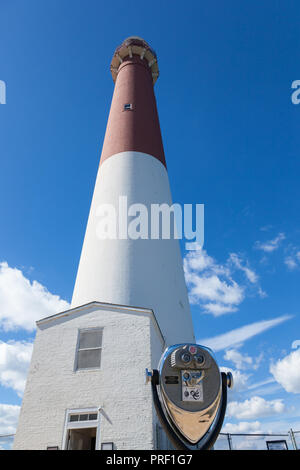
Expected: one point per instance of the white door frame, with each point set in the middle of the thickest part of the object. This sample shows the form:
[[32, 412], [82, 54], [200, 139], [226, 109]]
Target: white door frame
[[82, 424]]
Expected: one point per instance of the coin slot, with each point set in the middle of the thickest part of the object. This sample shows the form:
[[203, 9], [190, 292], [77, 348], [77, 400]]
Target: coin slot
[[171, 379]]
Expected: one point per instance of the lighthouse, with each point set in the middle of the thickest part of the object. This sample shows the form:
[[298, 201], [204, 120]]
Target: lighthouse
[[85, 388]]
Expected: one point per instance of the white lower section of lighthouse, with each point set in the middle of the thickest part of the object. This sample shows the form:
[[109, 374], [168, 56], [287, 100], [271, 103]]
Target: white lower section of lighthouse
[[143, 273]]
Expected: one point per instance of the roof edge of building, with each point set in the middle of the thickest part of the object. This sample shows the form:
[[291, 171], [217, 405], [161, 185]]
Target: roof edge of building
[[104, 305]]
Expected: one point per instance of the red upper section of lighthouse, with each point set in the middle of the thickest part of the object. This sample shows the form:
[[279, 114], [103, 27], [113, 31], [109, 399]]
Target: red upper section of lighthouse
[[133, 123]]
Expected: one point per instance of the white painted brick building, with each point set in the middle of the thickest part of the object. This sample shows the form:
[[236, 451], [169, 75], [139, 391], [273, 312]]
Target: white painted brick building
[[116, 391]]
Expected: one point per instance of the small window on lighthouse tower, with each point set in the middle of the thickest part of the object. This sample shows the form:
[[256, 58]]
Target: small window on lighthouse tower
[[127, 106], [89, 348]]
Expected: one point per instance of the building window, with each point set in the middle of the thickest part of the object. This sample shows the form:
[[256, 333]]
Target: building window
[[89, 349], [83, 417], [127, 106]]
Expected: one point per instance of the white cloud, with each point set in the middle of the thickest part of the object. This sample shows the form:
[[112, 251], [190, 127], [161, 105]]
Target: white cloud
[[238, 263], [270, 245], [239, 335], [14, 362], [243, 427], [211, 284], [23, 302], [268, 381], [266, 390], [256, 407], [268, 387], [293, 261], [219, 309], [287, 372], [199, 260], [266, 228], [241, 361], [219, 296], [9, 415]]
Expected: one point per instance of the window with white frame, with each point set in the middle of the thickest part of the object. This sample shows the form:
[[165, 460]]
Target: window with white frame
[[73, 418], [89, 348]]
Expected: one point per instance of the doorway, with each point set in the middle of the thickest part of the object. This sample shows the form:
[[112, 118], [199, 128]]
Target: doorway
[[82, 439]]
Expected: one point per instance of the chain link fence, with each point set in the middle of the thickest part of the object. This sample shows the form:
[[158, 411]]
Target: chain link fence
[[297, 439], [288, 441], [225, 441]]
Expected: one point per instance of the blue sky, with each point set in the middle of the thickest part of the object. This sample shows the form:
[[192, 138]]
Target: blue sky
[[231, 138]]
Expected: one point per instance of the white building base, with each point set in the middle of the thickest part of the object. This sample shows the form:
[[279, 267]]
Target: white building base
[[116, 392]]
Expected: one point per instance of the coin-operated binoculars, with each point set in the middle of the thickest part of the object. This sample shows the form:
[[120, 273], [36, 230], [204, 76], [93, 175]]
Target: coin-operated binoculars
[[190, 396]]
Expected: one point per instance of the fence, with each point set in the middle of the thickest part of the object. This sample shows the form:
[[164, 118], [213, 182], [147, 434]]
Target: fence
[[259, 441], [225, 441]]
